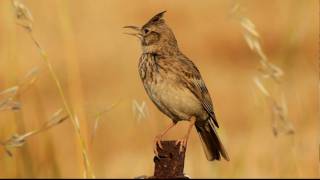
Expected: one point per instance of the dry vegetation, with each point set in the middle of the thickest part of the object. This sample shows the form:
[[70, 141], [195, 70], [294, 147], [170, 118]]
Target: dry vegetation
[[73, 56]]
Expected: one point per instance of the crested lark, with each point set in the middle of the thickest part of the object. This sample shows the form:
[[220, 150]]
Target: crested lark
[[174, 84]]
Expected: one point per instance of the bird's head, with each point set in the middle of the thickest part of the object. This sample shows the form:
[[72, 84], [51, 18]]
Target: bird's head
[[155, 36]]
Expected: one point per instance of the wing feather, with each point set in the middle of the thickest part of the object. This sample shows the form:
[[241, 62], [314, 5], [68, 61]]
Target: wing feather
[[192, 78]]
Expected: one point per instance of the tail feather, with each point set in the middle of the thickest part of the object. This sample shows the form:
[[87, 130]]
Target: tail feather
[[211, 143]]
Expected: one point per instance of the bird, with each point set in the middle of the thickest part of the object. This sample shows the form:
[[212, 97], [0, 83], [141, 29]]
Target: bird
[[174, 84]]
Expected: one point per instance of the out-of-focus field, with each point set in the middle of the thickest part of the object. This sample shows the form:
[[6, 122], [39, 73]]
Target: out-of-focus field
[[97, 65]]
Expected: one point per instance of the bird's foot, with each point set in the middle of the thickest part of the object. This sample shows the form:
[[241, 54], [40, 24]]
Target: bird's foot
[[157, 142], [183, 143]]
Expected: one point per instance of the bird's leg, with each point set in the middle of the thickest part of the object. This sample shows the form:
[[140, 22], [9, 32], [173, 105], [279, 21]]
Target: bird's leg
[[183, 141], [157, 139]]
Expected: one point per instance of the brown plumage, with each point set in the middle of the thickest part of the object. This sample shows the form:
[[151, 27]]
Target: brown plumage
[[174, 84]]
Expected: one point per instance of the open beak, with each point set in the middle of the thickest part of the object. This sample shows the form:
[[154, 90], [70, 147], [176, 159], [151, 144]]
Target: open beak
[[136, 32]]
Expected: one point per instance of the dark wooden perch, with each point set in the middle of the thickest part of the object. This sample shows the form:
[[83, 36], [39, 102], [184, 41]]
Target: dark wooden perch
[[170, 163]]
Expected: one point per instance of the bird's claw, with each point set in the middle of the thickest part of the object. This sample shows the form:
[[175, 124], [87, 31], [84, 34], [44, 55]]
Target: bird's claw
[[157, 142], [183, 143]]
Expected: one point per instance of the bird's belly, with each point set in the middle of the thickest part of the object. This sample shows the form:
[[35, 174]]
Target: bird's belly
[[178, 100]]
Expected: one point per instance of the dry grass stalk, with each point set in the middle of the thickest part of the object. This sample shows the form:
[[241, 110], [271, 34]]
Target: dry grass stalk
[[98, 117], [25, 19], [269, 71], [9, 95], [17, 140], [29, 79], [139, 110], [8, 102], [23, 15]]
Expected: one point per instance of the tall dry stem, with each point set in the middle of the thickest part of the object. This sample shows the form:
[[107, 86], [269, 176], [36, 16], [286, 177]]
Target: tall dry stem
[[18, 123], [25, 19], [270, 74], [74, 88]]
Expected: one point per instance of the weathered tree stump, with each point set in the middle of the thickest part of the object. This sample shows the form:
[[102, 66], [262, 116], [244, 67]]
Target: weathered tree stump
[[170, 163]]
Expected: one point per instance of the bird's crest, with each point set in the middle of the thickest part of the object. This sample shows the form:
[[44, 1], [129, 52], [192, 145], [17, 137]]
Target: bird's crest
[[156, 18]]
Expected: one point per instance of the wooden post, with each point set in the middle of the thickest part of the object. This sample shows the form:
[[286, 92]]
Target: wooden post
[[170, 163]]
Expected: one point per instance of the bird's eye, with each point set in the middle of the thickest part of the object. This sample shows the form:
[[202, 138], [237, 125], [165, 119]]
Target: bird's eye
[[146, 31]]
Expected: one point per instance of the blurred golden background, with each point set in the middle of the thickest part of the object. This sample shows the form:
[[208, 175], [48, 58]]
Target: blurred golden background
[[97, 66]]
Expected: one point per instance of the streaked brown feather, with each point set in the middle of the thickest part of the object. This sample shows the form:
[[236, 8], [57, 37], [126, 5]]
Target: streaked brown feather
[[175, 85]]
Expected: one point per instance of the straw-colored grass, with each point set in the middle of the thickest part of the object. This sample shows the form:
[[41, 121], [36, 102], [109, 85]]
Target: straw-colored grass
[[17, 140], [25, 19], [268, 72], [259, 68]]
